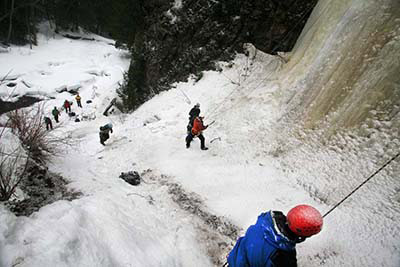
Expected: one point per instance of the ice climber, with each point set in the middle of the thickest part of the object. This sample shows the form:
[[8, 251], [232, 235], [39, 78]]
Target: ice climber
[[49, 124], [105, 133], [55, 113], [193, 113], [67, 106], [272, 240], [197, 131], [78, 100]]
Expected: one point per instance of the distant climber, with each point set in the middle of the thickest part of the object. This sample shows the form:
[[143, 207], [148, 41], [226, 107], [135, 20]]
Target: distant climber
[[78, 100], [193, 113], [272, 240], [67, 106], [197, 131], [55, 113], [49, 124], [105, 133]]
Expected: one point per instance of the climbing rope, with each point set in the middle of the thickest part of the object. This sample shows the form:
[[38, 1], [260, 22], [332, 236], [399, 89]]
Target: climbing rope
[[189, 101], [211, 113], [363, 183], [234, 90]]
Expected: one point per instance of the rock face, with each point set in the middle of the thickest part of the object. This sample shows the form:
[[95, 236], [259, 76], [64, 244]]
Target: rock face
[[186, 37]]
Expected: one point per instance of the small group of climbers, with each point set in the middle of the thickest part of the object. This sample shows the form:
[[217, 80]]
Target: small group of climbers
[[104, 130], [56, 113]]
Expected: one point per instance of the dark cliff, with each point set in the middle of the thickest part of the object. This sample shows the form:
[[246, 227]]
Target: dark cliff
[[176, 41]]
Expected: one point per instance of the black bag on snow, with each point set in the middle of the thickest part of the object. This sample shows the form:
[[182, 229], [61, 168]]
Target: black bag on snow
[[131, 177]]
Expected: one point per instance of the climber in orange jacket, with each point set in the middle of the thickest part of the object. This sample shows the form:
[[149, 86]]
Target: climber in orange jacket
[[198, 127]]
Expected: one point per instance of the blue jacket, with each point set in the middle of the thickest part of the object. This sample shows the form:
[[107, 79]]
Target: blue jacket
[[259, 246]]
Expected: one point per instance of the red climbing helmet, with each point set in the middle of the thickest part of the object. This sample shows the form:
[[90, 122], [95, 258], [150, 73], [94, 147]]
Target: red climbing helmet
[[304, 220]]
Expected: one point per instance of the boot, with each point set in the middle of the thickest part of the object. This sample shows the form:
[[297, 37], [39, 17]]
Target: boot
[[204, 148]]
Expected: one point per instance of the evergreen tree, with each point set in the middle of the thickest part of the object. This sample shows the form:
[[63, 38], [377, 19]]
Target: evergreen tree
[[135, 91], [124, 20], [18, 20]]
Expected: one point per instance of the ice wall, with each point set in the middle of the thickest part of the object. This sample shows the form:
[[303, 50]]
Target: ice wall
[[345, 68]]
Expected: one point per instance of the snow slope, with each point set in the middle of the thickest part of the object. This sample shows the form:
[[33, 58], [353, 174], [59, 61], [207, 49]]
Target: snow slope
[[114, 224], [255, 165]]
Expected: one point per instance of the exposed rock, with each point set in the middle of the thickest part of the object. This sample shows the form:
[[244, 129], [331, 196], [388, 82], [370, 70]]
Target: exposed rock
[[95, 72], [108, 108], [24, 101], [42, 188], [74, 89], [73, 37], [178, 42], [11, 84], [4, 49], [61, 89]]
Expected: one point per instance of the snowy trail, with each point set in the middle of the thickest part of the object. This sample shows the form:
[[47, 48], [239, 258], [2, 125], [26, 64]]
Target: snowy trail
[[220, 176], [192, 203]]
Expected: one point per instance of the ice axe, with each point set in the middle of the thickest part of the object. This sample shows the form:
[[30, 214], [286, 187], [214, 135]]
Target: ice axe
[[211, 123], [216, 138]]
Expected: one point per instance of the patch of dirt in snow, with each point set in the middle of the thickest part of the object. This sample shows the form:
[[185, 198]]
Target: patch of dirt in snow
[[216, 232], [41, 188]]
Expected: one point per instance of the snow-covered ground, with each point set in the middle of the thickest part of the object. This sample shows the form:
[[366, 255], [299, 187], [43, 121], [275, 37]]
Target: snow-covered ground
[[249, 169]]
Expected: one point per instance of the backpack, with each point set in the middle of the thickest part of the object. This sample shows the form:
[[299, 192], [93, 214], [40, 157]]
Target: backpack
[[131, 177]]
